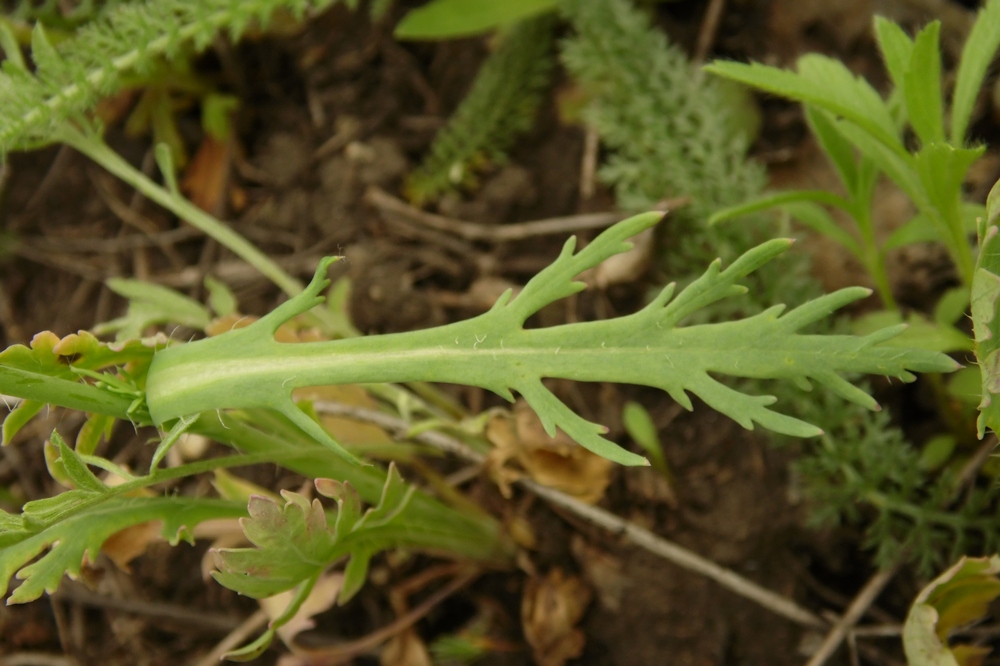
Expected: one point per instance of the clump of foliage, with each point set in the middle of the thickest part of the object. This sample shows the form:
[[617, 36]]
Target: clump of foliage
[[671, 131], [865, 137], [499, 106]]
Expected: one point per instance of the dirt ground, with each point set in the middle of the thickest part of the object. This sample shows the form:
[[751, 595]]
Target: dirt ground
[[339, 108]]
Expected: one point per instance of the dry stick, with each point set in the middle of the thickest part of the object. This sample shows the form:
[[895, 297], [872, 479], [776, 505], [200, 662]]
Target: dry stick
[[865, 598], [234, 638], [387, 203], [340, 653], [210, 621], [633, 533], [588, 164], [37, 659], [709, 28]]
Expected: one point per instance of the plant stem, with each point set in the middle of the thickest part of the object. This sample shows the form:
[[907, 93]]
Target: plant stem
[[94, 147], [873, 258]]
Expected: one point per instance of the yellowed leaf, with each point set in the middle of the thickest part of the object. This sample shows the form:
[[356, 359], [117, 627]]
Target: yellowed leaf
[[960, 595]]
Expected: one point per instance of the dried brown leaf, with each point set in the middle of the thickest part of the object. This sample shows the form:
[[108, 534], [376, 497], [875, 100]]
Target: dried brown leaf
[[550, 609]]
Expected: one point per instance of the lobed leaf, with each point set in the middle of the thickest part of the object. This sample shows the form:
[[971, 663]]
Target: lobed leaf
[[129, 38], [246, 368], [71, 540], [985, 301], [295, 544]]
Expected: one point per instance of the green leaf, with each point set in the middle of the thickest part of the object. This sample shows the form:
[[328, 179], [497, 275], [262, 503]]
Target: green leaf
[[898, 166], [216, 115], [936, 452], [94, 428], [896, 48], [826, 84], [247, 368], [977, 53], [10, 46], [448, 19], [294, 543], [985, 302], [640, 427], [957, 597], [837, 148], [19, 417], [151, 304], [952, 305], [918, 229], [81, 535], [77, 471], [252, 650], [179, 428], [922, 90], [820, 221], [220, 297], [920, 332]]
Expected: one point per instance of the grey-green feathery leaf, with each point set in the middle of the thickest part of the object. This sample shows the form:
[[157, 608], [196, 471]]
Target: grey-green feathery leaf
[[247, 368]]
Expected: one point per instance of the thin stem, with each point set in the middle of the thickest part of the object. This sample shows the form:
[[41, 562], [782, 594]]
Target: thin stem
[[166, 475], [864, 599], [873, 258], [93, 147]]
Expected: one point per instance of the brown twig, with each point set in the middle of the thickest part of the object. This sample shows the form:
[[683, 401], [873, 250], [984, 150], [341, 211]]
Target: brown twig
[[234, 638], [338, 654], [630, 531], [37, 659], [388, 204], [209, 621], [865, 598], [588, 164], [709, 28]]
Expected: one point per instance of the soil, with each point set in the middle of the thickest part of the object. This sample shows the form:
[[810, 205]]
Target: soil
[[374, 105]]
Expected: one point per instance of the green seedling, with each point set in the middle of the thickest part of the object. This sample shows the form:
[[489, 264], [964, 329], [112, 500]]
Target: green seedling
[[640, 427], [863, 135]]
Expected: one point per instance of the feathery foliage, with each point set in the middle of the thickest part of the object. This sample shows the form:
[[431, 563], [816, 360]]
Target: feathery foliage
[[129, 38], [499, 106], [671, 130], [864, 471]]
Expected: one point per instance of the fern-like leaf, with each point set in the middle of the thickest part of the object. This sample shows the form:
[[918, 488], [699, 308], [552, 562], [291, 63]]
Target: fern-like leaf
[[128, 38], [500, 105], [82, 534]]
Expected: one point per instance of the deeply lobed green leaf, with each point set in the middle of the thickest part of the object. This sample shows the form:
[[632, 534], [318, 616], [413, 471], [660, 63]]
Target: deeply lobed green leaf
[[246, 368], [81, 535]]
